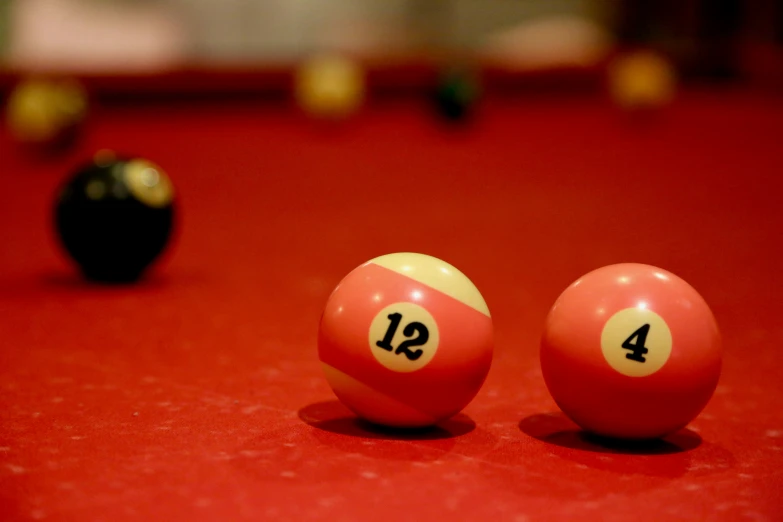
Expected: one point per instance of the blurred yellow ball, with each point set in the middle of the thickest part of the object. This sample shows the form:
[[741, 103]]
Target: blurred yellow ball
[[642, 79], [39, 111], [329, 86]]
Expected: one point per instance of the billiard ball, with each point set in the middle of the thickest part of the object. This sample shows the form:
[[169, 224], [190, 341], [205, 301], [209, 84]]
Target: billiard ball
[[631, 351], [114, 216], [46, 115], [329, 86], [405, 340], [641, 80], [456, 94]]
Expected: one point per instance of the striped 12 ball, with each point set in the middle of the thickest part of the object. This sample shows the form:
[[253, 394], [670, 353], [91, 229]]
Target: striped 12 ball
[[631, 351], [406, 340]]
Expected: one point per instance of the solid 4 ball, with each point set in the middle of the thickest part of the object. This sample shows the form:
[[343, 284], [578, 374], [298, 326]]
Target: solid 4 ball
[[406, 340], [631, 351]]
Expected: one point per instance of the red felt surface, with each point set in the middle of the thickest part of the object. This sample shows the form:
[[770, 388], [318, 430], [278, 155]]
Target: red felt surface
[[198, 394]]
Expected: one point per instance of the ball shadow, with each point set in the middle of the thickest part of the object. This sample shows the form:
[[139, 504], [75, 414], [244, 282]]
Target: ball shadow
[[557, 429], [153, 280], [334, 426], [669, 457], [333, 417], [74, 280], [326, 443]]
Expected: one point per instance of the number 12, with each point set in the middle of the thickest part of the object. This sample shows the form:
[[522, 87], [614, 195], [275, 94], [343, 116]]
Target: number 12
[[409, 330]]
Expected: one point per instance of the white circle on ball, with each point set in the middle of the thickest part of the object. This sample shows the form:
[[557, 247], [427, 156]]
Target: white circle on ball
[[636, 342], [404, 337], [148, 183]]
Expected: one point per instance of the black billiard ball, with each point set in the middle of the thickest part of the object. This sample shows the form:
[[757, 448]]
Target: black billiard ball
[[114, 217], [456, 93]]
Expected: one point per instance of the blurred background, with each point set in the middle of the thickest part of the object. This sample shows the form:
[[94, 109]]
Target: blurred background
[[719, 39]]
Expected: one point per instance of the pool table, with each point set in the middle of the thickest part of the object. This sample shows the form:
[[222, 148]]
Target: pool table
[[197, 394]]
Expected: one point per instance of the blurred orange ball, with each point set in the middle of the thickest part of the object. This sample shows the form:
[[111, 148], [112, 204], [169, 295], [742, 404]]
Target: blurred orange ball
[[46, 113], [641, 79], [329, 86]]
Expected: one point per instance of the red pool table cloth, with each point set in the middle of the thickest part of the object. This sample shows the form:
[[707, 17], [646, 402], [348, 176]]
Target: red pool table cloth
[[197, 394]]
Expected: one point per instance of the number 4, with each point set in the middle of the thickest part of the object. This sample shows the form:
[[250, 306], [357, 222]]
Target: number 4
[[637, 347]]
